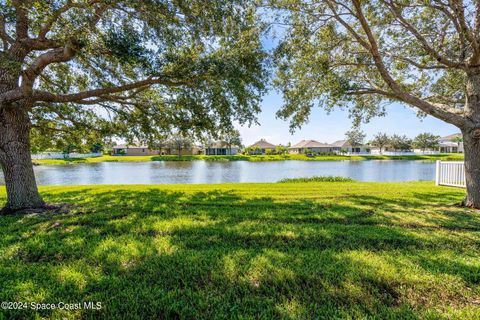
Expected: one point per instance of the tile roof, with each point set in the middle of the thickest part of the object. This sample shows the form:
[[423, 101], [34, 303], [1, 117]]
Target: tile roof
[[124, 146], [309, 144], [263, 144], [340, 143], [451, 137]]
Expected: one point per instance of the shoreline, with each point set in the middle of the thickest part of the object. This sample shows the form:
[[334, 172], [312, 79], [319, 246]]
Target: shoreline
[[259, 158]]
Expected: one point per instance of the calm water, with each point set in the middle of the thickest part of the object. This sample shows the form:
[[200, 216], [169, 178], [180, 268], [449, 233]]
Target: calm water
[[235, 171]]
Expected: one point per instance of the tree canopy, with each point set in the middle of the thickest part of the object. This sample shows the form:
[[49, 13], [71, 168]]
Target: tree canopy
[[133, 67], [380, 140], [366, 54], [426, 141], [231, 138], [400, 143], [355, 137]]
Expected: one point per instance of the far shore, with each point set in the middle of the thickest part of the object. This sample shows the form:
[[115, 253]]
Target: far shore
[[251, 158]]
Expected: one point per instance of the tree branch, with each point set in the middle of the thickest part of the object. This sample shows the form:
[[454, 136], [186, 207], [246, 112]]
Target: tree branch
[[40, 44], [367, 91], [423, 42], [21, 26], [41, 62], [59, 12], [11, 96], [401, 94], [81, 97], [6, 39], [448, 100], [477, 15], [414, 63], [460, 11], [357, 36], [453, 19]]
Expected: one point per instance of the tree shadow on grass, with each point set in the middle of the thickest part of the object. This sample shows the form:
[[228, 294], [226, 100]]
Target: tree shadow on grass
[[217, 254]]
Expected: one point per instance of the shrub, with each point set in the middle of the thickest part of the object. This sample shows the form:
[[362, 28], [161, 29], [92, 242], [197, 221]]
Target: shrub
[[317, 179]]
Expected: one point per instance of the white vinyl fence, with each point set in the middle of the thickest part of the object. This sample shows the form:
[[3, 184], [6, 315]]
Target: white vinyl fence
[[450, 173], [59, 155]]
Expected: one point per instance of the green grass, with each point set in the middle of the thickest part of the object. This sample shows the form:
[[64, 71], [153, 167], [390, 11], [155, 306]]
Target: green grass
[[449, 156], [317, 179], [105, 158], [347, 250], [301, 157]]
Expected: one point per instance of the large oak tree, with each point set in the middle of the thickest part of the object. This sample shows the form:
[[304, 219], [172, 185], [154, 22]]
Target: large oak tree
[[362, 54], [130, 67]]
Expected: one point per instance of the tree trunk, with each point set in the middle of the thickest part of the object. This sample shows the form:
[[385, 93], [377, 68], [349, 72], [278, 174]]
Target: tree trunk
[[471, 139], [15, 160], [471, 145]]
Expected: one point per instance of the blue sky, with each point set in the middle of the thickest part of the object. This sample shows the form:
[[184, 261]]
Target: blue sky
[[331, 127]]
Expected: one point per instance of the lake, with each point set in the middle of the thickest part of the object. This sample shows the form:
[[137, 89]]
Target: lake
[[235, 171]]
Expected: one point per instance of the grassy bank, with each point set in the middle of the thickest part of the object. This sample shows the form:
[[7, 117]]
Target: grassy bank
[[446, 157], [264, 251]]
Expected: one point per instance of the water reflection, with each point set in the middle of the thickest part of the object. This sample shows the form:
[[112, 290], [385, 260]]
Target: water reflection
[[236, 171]]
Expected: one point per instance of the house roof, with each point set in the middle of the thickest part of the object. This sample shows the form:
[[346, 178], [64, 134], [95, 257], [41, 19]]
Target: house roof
[[451, 137], [448, 144], [263, 144], [309, 144], [219, 144], [346, 144], [124, 146], [340, 143]]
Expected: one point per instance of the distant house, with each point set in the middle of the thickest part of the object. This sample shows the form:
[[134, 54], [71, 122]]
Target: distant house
[[310, 146], [133, 150], [220, 148], [342, 146], [262, 147], [449, 144], [190, 151]]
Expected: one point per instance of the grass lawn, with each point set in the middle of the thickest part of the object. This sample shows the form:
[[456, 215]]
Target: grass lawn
[[302, 157], [346, 250]]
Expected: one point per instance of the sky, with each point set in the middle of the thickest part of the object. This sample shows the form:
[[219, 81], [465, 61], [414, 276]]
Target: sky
[[323, 127]]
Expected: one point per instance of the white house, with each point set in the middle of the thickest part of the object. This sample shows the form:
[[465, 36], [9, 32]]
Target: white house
[[343, 146], [451, 144]]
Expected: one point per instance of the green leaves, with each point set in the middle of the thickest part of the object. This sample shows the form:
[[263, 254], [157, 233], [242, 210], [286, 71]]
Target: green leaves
[[355, 137], [426, 141], [400, 143], [363, 57], [126, 45], [205, 60]]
